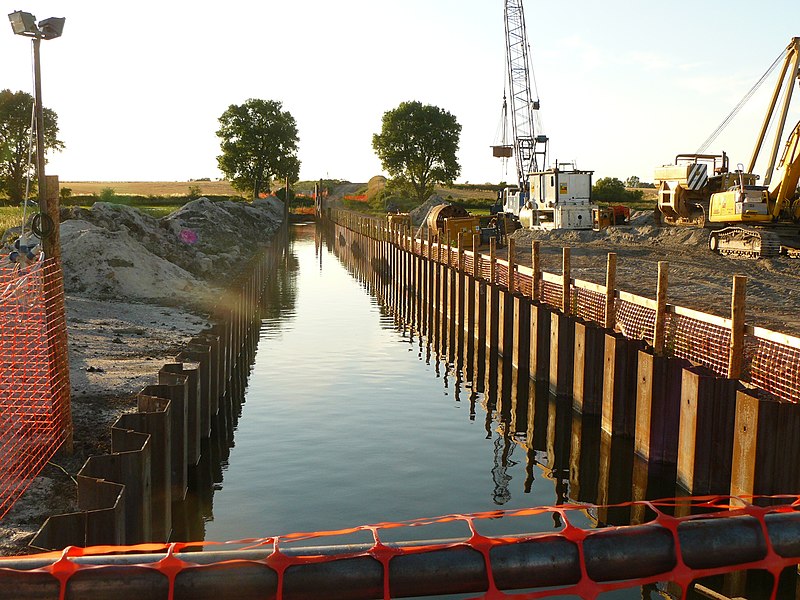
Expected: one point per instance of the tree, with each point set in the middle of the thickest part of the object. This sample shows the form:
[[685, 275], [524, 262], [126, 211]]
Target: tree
[[417, 146], [632, 182], [15, 130], [259, 142], [611, 189]]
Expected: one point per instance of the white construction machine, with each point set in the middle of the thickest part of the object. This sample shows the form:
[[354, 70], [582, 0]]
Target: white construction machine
[[545, 198]]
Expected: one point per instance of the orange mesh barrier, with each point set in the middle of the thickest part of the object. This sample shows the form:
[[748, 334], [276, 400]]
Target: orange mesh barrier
[[587, 580], [551, 294], [34, 382], [775, 368], [702, 343], [636, 322], [589, 305]]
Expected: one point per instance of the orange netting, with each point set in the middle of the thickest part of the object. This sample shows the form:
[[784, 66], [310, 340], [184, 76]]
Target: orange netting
[[543, 524], [775, 368], [34, 378]]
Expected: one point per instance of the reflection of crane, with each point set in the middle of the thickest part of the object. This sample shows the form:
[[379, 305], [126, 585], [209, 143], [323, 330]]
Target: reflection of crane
[[556, 198]]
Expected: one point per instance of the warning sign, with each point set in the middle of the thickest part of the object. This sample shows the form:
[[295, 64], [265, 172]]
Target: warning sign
[[562, 188]]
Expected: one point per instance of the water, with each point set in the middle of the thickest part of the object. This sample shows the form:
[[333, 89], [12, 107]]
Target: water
[[347, 421]]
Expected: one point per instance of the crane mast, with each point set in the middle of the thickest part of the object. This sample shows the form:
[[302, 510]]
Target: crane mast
[[527, 146]]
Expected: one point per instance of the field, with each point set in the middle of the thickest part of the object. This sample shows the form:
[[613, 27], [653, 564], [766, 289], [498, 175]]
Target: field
[[150, 188]]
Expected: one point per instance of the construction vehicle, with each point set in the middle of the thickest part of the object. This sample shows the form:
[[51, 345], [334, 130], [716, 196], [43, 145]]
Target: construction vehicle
[[555, 198], [608, 216], [747, 220], [446, 221]]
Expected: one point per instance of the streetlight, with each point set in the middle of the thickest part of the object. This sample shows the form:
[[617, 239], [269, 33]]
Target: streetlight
[[25, 24]]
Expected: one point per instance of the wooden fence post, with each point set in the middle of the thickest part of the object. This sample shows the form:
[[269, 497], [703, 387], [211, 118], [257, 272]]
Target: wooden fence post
[[661, 308], [476, 260], [611, 278], [565, 281], [738, 303], [460, 251], [492, 260], [511, 265], [536, 269]]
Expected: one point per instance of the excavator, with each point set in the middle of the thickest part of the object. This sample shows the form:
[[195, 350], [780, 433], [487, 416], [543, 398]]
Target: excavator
[[747, 220]]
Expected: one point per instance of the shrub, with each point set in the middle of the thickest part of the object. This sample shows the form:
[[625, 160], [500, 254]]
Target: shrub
[[107, 194], [195, 192]]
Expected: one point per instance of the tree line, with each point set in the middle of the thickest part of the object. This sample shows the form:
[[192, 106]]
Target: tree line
[[417, 145]]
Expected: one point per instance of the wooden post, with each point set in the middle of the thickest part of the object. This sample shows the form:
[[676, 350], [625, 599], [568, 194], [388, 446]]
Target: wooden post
[[430, 244], [736, 354], [476, 257], [661, 308], [492, 260], [511, 265], [55, 312], [536, 268], [611, 277], [448, 244], [565, 281], [460, 251]]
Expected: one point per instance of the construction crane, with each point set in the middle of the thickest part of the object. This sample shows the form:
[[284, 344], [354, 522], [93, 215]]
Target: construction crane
[[557, 198], [747, 220]]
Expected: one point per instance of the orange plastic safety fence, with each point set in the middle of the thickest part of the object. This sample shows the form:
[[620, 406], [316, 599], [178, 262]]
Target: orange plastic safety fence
[[589, 305], [775, 368], [551, 294], [636, 322], [527, 522], [700, 342], [34, 383]]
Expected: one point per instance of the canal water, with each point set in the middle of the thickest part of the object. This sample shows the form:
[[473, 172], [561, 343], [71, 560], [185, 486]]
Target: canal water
[[348, 419]]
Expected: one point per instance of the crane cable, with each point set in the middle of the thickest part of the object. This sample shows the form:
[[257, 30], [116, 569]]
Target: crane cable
[[710, 140]]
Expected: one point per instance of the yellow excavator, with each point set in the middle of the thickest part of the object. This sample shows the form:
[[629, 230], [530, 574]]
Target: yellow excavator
[[762, 220]]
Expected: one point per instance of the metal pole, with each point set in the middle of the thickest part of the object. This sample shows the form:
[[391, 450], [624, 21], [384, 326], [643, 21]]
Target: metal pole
[[40, 175], [452, 567]]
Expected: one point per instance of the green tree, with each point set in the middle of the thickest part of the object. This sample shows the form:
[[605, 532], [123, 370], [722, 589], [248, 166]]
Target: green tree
[[632, 182], [15, 129], [259, 142], [611, 189], [417, 146]]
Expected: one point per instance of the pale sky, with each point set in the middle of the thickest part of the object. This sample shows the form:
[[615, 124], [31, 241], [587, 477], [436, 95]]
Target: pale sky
[[624, 86]]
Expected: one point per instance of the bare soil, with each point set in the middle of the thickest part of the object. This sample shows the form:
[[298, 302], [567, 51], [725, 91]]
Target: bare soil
[[698, 278]]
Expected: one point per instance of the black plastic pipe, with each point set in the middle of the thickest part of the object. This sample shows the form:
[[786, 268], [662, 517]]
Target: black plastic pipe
[[611, 555]]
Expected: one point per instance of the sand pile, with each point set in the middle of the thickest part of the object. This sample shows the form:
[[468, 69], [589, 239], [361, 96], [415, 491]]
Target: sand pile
[[113, 251]]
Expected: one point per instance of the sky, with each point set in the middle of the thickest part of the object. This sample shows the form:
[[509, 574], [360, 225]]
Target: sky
[[623, 86]]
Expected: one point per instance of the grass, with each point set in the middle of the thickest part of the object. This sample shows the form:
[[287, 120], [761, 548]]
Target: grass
[[11, 216]]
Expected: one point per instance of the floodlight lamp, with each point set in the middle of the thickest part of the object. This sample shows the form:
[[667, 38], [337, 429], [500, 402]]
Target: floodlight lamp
[[52, 28], [23, 23]]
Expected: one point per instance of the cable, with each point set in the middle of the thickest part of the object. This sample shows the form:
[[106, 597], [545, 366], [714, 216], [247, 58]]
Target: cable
[[710, 140], [42, 225]]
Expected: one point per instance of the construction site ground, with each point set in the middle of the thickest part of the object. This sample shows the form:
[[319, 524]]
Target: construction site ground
[[698, 278]]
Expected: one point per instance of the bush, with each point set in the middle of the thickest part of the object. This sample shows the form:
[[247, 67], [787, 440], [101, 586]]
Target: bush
[[611, 189], [107, 194], [195, 192]]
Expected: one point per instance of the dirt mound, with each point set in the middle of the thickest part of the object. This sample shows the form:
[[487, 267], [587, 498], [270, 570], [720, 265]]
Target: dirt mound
[[107, 264], [203, 240]]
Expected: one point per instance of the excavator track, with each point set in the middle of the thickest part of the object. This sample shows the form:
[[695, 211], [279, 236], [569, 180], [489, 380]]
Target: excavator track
[[744, 242]]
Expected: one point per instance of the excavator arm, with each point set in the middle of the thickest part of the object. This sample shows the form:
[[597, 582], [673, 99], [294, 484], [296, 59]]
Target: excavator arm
[[784, 184]]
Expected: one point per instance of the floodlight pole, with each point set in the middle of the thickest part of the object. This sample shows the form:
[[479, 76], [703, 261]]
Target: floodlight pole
[[40, 174]]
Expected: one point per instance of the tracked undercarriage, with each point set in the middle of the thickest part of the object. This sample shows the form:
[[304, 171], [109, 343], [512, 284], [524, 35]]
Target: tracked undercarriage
[[752, 243]]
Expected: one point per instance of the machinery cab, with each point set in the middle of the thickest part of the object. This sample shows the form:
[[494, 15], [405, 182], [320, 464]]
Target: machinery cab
[[742, 202], [558, 198]]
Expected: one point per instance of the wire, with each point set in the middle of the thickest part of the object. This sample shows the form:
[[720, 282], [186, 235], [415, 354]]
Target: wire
[[42, 225], [710, 140]]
